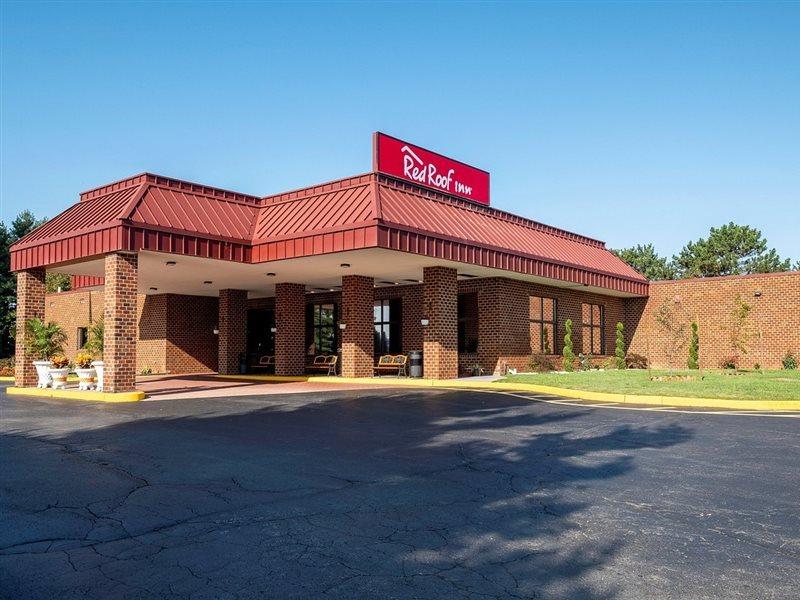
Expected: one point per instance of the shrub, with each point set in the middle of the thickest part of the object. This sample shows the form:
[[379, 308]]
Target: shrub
[[7, 367], [147, 371], [96, 334], [569, 355], [585, 362], [694, 348], [619, 350], [541, 363], [44, 339], [635, 361], [729, 362], [789, 361]]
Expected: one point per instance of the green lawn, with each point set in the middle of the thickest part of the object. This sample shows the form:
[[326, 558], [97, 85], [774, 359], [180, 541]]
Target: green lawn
[[743, 385]]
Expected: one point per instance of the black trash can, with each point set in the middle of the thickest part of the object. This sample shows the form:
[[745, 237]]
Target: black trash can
[[415, 363]]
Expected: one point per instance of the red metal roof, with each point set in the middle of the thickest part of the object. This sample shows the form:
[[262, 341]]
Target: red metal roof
[[453, 219], [150, 212]]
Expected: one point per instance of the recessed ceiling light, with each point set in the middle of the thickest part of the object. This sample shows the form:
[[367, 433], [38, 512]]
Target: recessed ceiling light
[[152, 289], [208, 282], [270, 274], [345, 265], [170, 263]]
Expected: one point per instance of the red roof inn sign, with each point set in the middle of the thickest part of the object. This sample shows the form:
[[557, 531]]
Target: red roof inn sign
[[406, 161]]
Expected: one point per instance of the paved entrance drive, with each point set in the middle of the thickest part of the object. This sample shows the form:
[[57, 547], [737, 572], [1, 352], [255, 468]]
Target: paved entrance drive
[[393, 494]]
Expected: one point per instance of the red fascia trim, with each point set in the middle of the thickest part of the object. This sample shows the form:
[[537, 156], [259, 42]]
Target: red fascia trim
[[71, 249], [457, 251]]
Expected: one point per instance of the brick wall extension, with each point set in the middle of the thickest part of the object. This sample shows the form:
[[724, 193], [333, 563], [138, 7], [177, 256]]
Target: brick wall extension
[[772, 328], [440, 304], [290, 325], [232, 329], [30, 305], [120, 315], [356, 313]]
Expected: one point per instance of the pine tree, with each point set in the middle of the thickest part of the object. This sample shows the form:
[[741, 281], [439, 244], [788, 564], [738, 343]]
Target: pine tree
[[569, 355], [694, 348], [619, 350]]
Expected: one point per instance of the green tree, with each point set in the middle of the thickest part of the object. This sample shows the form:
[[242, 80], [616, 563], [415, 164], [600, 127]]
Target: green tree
[[694, 348], [57, 281], [23, 224], [646, 261], [619, 349], [729, 250], [569, 355]]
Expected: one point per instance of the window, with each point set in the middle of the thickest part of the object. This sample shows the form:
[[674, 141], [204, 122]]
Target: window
[[388, 315], [83, 336], [593, 325], [321, 329], [468, 323], [543, 324]]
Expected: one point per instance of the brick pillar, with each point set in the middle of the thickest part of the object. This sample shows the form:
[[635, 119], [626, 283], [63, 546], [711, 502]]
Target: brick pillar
[[30, 304], [358, 337], [232, 330], [121, 327], [440, 306], [290, 325]]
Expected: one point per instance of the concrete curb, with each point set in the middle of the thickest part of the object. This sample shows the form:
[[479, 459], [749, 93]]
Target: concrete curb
[[76, 395]]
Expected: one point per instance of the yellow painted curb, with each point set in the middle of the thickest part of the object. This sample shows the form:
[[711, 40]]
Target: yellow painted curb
[[677, 401], [266, 378], [6, 379], [77, 394]]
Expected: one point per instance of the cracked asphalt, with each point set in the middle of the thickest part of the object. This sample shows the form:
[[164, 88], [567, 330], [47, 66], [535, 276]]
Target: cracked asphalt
[[393, 494]]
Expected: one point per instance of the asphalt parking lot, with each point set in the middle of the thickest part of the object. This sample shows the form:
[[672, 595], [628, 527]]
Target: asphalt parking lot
[[394, 494]]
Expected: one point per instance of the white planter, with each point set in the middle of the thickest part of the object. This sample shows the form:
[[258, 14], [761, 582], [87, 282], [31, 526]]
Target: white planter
[[59, 377], [98, 367], [86, 378], [43, 371]]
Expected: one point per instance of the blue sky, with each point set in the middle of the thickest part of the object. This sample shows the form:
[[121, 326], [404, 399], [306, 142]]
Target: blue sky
[[632, 123]]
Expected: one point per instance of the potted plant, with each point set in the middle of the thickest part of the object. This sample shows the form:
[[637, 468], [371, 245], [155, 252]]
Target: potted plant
[[43, 340], [59, 371], [86, 373], [95, 347]]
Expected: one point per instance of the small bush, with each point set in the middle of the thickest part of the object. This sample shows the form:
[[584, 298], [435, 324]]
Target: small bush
[[147, 371], [635, 361], [569, 354], [541, 363], [83, 360], [619, 350], [729, 362], [789, 362], [7, 367], [585, 362], [694, 349]]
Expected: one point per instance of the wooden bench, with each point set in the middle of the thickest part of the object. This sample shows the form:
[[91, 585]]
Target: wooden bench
[[395, 363], [324, 363]]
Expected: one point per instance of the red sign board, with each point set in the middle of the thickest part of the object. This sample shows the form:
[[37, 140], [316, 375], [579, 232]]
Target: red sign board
[[409, 162]]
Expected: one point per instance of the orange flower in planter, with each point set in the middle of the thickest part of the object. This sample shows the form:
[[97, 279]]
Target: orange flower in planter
[[60, 361], [83, 360]]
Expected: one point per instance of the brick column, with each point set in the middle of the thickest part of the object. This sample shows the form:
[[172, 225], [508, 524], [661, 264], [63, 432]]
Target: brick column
[[290, 325], [358, 337], [121, 327], [30, 304], [440, 360], [232, 330]]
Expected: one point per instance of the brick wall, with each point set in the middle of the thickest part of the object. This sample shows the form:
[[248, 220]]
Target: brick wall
[[232, 329], [356, 313], [440, 304], [120, 316], [30, 305], [773, 326], [290, 324], [192, 346]]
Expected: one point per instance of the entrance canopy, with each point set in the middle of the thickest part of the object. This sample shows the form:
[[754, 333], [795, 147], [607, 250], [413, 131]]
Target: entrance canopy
[[379, 226]]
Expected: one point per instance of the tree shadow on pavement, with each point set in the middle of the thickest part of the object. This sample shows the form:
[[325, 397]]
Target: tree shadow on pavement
[[407, 495]]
